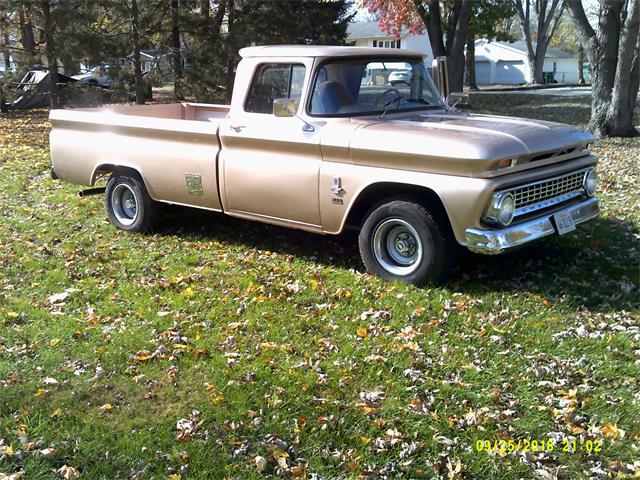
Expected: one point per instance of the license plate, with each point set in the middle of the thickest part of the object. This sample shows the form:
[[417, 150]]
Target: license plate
[[564, 222]]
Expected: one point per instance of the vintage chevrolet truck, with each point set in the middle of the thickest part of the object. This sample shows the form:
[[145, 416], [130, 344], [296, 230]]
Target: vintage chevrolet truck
[[318, 138]]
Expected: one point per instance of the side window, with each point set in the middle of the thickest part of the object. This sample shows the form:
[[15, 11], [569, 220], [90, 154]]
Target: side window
[[274, 81]]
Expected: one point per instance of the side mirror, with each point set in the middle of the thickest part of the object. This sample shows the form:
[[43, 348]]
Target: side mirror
[[285, 107]]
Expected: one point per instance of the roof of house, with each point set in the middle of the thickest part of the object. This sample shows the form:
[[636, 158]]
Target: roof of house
[[521, 46], [368, 30], [324, 51]]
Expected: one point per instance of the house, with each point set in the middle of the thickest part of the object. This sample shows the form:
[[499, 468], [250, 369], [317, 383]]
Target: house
[[504, 63], [369, 34], [12, 63]]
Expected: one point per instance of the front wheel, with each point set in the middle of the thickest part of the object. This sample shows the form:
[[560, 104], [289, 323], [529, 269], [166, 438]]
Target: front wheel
[[129, 206], [402, 240]]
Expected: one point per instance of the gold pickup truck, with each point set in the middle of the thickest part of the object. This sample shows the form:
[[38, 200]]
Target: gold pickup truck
[[320, 139]]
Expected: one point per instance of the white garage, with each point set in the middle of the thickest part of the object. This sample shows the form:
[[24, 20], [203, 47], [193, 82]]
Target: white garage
[[502, 63], [483, 72], [510, 72]]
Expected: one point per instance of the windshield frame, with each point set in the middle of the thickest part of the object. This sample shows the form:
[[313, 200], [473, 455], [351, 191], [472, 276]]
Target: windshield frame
[[370, 59]]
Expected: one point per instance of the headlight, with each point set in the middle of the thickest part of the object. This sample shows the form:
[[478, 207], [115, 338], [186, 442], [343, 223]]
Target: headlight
[[501, 209], [591, 182]]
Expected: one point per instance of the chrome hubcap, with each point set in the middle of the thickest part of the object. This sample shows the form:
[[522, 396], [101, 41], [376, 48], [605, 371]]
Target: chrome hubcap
[[124, 204], [397, 246]]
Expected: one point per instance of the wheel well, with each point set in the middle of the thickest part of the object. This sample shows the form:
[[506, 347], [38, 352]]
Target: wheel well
[[106, 169], [378, 193]]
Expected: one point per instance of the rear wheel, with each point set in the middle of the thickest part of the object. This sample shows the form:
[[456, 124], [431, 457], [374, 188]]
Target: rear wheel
[[402, 240], [129, 206]]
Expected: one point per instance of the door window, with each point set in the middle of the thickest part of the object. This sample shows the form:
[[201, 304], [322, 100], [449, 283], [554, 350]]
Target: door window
[[274, 81]]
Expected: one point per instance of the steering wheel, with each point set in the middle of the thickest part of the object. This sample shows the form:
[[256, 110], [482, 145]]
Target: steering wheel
[[385, 97]]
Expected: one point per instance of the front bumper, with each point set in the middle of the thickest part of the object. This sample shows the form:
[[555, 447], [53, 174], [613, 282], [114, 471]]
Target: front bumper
[[492, 242]]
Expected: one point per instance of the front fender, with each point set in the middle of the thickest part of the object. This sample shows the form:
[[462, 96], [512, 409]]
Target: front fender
[[463, 198]]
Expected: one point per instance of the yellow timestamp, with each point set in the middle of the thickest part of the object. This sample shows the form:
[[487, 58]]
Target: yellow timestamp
[[539, 445]]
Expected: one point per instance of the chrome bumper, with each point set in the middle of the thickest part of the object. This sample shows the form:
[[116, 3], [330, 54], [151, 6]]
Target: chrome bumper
[[492, 242]]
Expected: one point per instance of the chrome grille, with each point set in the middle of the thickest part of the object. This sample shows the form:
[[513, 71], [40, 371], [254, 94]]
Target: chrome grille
[[548, 192]]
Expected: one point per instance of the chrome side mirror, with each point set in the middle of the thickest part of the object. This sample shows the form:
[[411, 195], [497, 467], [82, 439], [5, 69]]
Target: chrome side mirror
[[285, 107], [288, 107]]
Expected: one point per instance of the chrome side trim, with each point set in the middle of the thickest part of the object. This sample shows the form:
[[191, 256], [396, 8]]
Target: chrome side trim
[[492, 242]]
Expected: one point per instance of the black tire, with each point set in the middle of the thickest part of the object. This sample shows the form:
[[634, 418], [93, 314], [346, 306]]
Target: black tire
[[129, 206], [402, 240]]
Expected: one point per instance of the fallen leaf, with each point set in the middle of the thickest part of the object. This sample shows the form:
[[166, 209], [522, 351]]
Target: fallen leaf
[[281, 457], [142, 356], [261, 463], [68, 473], [611, 430]]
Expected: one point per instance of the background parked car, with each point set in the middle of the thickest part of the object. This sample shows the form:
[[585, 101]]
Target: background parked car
[[103, 75], [399, 76]]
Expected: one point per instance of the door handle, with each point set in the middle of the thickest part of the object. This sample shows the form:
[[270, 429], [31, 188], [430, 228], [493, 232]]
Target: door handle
[[237, 128]]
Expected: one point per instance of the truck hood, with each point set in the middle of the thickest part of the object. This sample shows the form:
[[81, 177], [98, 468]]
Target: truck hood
[[464, 144]]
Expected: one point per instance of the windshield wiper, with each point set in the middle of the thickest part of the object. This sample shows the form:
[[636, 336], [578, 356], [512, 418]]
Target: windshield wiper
[[387, 106]]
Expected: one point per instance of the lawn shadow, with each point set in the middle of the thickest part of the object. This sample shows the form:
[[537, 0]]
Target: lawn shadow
[[193, 225], [593, 267]]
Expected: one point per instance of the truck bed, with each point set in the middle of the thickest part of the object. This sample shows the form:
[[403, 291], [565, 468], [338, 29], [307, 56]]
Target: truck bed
[[163, 142]]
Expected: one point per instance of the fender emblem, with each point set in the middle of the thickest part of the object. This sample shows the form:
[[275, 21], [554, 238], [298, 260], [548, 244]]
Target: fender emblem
[[194, 183], [337, 201], [336, 188]]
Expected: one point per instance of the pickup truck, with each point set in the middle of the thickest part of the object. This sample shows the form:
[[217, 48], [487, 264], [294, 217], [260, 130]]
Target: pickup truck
[[317, 138]]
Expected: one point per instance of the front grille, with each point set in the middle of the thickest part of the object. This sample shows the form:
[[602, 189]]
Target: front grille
[[548, 192]]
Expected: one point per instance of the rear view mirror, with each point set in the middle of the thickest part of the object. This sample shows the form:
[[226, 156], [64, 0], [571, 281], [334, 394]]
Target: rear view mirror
[[285, 107]]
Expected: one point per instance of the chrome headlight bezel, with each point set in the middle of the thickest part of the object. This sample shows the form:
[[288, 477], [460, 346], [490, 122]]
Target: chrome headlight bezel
[[501, 209], [590, 182]]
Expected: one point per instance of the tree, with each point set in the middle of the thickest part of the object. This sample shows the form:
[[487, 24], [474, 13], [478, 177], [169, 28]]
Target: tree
[[303, 22], [50, 49], [547, 16], [487, 21], [446, 22], [176, 47], [613, 49], [4, 30]]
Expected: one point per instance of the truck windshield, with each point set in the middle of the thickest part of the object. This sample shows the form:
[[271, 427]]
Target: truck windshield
[[372, 86]]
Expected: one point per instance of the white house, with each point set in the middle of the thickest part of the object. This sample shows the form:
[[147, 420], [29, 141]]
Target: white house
[[504, 63], [369, 34], [12, 63]]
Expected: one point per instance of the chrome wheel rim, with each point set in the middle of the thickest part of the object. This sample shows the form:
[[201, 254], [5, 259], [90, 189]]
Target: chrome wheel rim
[[397, 246], [124, 204]]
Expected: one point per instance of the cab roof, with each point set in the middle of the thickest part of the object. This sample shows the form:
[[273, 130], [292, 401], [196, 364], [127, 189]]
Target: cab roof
[[324, 51]]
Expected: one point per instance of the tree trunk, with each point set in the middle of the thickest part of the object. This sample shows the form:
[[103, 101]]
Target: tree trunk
[[50, 51], [175, 48], [619, 117], [548, 18], [581, 66], [137, 66], [538, 63], [471, 63], [601, 47], [6, 56], [433, 23], [455, 53], [27, 38]]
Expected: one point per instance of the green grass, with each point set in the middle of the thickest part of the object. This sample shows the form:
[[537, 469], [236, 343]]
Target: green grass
[[275, 336]]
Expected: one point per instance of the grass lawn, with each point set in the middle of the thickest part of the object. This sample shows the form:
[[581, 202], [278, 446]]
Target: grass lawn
[[219, 348]]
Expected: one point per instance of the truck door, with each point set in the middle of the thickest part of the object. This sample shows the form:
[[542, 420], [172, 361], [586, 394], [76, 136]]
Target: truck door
[[269, 166]]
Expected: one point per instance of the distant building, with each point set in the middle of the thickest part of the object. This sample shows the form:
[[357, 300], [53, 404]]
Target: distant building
[[503, 63], [369, 34], [12, 63]]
